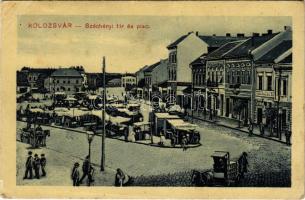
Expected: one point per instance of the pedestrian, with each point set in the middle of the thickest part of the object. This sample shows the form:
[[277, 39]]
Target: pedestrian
[[119, 178], [36, 165], [43, 162], [243, 164], [75, 174], [250, 128], [287, 135], [183, 143], [87, 170], [29, 166], [162, 139], [262, 128]]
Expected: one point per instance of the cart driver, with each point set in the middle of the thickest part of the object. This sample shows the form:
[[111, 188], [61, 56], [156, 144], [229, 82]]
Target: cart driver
[[39, 129]]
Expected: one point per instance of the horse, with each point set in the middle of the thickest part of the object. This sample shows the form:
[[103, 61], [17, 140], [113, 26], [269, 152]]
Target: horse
[[202, 178]]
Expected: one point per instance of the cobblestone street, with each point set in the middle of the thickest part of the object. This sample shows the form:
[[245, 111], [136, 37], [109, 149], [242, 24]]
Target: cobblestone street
[[65, 147]]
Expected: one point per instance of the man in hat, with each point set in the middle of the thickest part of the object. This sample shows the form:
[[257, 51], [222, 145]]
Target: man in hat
[[75, 174], [250, 128], [43, 162], [36, 165], [29, 166], [87, 170]]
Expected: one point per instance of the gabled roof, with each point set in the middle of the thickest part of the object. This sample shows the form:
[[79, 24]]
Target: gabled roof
[[275, 52], [174, 44], [218, 53], [244, 49], [287, 60], [152, 67], [211, 40], [66, 72], [217, 41], [199, 60]]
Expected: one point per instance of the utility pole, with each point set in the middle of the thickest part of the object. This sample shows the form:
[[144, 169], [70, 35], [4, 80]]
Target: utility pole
[[279, 131], [104, 125], [193, 96]]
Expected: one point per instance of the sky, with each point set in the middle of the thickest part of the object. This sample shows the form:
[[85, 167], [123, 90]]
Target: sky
[[125, 49]]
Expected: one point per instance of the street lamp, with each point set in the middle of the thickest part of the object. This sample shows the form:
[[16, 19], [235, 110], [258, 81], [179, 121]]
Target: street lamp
[[90, 136]]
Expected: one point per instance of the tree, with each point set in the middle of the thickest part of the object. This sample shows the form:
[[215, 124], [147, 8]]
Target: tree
[[238, 107]]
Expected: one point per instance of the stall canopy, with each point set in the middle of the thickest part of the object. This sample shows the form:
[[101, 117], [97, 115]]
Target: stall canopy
[[36, 110], [163, 117], [144, 126], [181, 125]]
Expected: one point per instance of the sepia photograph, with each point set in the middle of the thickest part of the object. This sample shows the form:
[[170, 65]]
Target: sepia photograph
[[159, 100], [205, 105]]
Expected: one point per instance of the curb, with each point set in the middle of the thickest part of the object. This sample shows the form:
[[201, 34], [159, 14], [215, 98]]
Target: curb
[[226, 126], [147, 144]]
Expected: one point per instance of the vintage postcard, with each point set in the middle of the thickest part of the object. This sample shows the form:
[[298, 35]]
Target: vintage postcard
[[152, 100]]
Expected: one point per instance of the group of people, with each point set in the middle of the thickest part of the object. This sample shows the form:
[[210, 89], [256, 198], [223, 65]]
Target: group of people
[[35, 163], [87, 169]]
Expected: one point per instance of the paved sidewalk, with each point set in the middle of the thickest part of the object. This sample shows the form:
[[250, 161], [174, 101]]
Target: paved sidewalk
[[233, 124]]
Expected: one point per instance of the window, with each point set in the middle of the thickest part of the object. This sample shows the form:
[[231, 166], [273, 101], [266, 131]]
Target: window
[[213, 79], [30, 78], [69, 81], [76, 81], [228, 77], [232, 78], [64, 81], [57, 89], [68, 89], [249, 77], [260, 82], [238, 77], [269, 83], [242, 77], [57, 81], [284, 87]]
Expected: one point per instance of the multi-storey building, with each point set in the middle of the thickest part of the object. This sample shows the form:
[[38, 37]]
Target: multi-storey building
[[128, 80], [64, 80], [267, 75], [182, 53]]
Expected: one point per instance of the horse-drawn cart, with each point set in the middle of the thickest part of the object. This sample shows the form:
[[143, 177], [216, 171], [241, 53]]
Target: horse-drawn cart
[[225, 172], [33, 137]]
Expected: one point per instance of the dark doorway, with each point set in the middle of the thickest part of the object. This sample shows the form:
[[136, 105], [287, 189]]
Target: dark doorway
[[259, 115]]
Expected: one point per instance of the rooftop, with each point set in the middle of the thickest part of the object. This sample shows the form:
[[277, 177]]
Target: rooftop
[[218, 53], [152, 67], [244, 49], [274, 53], [66, 72], [211, 40]]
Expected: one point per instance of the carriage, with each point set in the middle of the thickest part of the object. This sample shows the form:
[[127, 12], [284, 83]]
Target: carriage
[[142, 130], [33, 137], [225, 172]]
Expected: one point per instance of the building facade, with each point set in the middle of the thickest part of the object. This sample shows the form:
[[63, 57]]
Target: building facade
[[128, 81], [65, 80]]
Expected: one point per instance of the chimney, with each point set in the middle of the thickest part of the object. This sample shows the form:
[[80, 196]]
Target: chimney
[[240, 35], [269, 32], [190, 32], [197, 33], [255, 34], [228, 34], [287, 28]]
